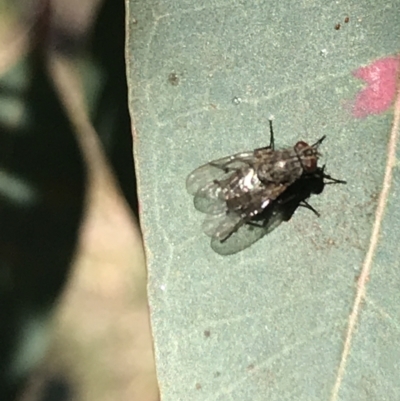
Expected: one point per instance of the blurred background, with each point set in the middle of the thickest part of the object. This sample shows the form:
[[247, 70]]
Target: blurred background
[[74, 313]]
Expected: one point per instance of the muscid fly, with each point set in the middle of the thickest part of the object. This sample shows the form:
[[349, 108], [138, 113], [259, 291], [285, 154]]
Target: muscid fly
[[235, 190]]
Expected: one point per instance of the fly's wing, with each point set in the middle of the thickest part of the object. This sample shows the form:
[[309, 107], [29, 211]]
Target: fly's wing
[[210, 199], [249, 233], [261, 216], [204, 182], [217, 170], [221, 226]]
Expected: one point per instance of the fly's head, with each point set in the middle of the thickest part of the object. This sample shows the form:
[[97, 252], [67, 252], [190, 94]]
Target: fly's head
[[308, 155]]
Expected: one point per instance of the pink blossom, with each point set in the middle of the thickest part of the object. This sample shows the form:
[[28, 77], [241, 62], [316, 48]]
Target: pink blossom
[[379, 94]]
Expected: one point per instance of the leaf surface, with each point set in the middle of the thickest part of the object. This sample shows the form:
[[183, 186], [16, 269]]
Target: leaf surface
[[288, 318]]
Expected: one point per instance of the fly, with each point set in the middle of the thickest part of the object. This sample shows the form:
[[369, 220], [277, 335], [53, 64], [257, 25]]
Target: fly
[[235, 190]]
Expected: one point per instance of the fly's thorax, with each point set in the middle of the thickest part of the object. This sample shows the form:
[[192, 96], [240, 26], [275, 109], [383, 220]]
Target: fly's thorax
[[283, 168], [250, 181], [239, 192], [241, 181], [308, 156]]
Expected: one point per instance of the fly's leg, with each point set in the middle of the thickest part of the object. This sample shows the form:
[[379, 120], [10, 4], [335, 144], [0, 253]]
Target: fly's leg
[[316, 144], [309, 207], [333, 180], [330, 178], [258, 224], [271, 135], [271, 139]]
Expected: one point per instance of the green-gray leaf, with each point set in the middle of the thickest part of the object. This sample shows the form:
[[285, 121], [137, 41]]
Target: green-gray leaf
[[287, 318]]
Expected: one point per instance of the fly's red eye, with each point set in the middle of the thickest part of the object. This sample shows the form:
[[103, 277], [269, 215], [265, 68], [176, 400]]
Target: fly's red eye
[[301, 145]]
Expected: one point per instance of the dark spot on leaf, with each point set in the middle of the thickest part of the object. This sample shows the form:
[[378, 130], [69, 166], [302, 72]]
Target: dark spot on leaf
[[236, 100], [346, 20], [250, 367], [374, 198], [198, 386], [358, 276], [207, 333], [337, 27], [173, 79]]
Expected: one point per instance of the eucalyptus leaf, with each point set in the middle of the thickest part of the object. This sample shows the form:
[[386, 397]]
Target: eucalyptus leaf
[[287, 318]]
